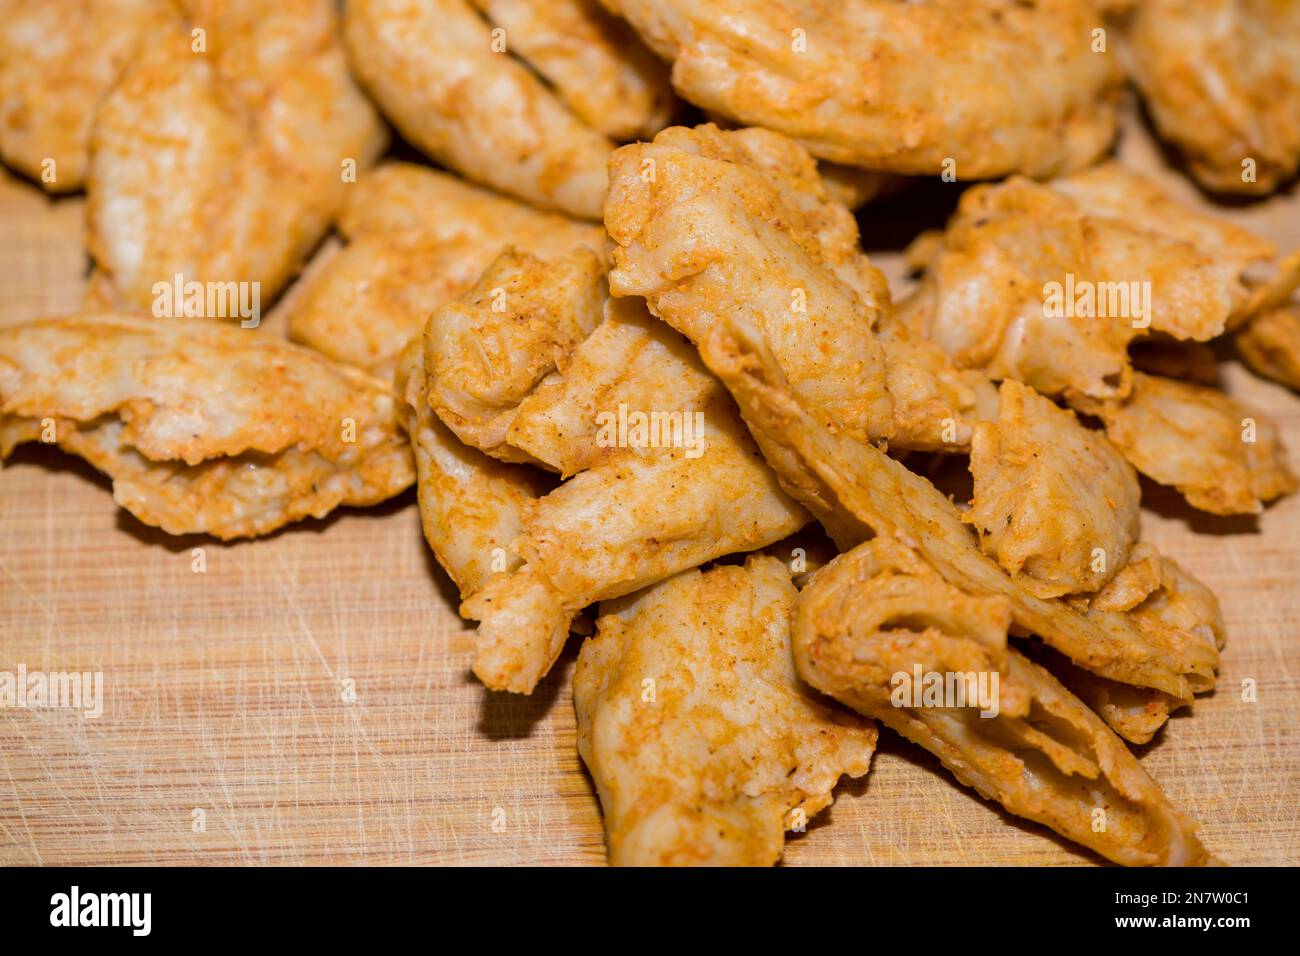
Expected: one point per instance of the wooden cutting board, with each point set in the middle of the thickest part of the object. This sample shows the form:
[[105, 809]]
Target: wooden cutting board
[[307, 697]]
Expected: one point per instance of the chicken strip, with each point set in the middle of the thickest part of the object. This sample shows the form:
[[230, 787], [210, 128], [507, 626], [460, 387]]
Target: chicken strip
[[57, 61], [625, 523], [471, 505], [1048, 284], [485, 351], [400, 197], [419, 238], [595, 62], [710, 223], [1222, 456], [877, 626], [1270, 345], [856, 491], [372, 297], [631, 361], [450, 86], [1221, 79], [1157, 595], [898, 87], [704, 744], [1055, 503], [247, 144], [202, 427]]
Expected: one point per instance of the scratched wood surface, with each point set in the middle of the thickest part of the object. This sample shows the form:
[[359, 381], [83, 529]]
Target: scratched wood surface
[[310, 692]]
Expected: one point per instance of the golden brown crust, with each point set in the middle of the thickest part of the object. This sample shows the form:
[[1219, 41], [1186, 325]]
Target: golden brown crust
[[877, 617], [1048, 284], [1221, 79], [704, 744], [471, 505], [709, 223], [57, 61], [1055, 503], [226, 165], [593, 61], [1224, 457], [431, 67], [999, 87], [855, 490], [487, 350], [203, 427], [1270, 345]]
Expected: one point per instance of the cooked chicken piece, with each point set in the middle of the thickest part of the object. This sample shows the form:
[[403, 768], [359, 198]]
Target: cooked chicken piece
[[452, 88], [1049, 284], [471, 505], [897, 86], [709, 224], [1054, 503], [595, 62], [203, 427], [632, 361], [704, 744], [1222, 456], [485, 351], [227, 165], [57, 61], [1221, 79], [621, 525], [856, 491], [373, 296], [419, 238], [1157, 595], [1270, 345], [878, 629], [400, 197]]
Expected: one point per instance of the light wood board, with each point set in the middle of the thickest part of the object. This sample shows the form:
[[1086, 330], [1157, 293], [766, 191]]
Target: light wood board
[[228, 691]]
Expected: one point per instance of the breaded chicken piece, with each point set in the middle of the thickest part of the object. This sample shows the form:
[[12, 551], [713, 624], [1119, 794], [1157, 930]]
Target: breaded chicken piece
[[471, 505], [997, 86], [878, 617], [419, 238], [1045, 283], [1222, 456], [1156, 595], [595, 62], [57, 61], [485, 351], [857, 491], [203, 427], [398, 197], [372, 297], [625, 523], [709, 223], [1055, 503], [1221, 79], [704, 744], [431, 67], [225, 165], [632, 361], [1270, 345]]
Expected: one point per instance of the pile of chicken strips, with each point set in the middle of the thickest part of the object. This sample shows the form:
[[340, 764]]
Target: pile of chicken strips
[[608, 310]]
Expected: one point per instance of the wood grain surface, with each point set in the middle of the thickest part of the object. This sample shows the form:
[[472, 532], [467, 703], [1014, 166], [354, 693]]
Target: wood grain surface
[[310, 692]]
